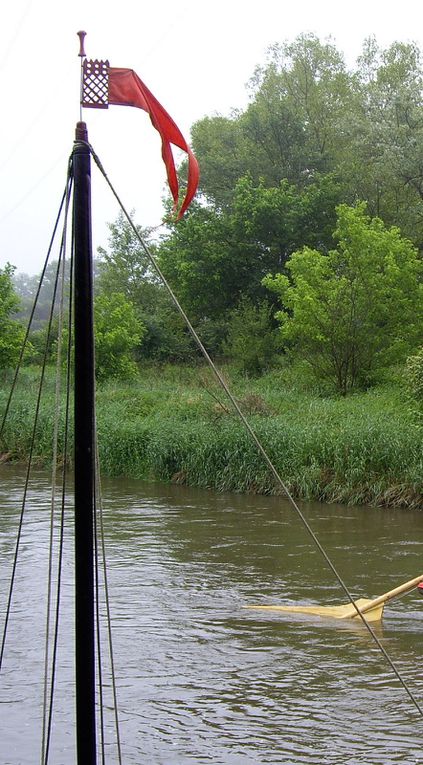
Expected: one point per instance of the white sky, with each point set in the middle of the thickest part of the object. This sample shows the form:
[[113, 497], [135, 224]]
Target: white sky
[[196, 58]]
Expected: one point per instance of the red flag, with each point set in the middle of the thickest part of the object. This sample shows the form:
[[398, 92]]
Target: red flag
[[126, 89]]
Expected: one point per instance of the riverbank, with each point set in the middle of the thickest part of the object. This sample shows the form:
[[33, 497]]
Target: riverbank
[[174, 424]]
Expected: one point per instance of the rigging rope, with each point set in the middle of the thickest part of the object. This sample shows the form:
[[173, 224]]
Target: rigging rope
[[48, 704], [52, 514], [30, 461], [98, 635], [100, 527], [99, 542], [278, 479], [35, 303], [52, 629], [62, 516]]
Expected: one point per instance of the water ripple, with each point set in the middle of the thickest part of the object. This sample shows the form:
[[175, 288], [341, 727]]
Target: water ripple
[[200, 679]]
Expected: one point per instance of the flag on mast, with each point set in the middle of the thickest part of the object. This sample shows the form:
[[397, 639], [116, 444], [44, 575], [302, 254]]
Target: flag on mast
[[103, 85]]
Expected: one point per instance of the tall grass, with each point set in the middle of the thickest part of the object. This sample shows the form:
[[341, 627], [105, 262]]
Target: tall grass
[[175, 425]]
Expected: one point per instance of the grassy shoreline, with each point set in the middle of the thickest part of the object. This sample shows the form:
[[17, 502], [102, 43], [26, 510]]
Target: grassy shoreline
[[174, 424]]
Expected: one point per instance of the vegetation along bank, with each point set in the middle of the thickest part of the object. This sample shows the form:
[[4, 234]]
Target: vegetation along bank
[[174, 424]]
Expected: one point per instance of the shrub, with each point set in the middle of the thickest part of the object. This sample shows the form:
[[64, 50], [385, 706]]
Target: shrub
[[356, 309], [414, 376], [118, 332], [252, 342]]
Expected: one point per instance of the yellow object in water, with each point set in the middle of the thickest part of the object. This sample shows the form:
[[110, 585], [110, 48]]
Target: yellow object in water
[[371, 609]]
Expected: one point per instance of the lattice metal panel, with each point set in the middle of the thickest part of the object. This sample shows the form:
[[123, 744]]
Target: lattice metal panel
[[95, 85]]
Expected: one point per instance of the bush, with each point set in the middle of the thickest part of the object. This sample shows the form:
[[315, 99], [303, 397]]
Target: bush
[[118, 332], [252, 342], [356, 309], [414, 377]]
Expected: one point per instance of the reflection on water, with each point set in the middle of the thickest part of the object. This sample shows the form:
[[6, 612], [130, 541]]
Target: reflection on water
[[200, 679]]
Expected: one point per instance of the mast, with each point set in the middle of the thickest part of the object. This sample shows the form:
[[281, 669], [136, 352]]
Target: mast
[[84, 414]]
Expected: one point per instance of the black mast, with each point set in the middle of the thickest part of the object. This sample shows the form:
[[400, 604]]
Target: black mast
[[84, 452]]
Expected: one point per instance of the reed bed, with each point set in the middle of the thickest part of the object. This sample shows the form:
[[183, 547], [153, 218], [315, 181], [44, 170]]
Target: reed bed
[[174, 424]]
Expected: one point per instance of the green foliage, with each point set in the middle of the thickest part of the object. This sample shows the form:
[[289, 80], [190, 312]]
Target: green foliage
[[365, 448], [166, 338], [125, 266], [384, 164], [11, 331], [213, 257], [252, 340], [43, 344], [356, 309], [414, 377], [314, 135], [204, 262], [309, 116], [118, 332], [224, 152], [292, 129]]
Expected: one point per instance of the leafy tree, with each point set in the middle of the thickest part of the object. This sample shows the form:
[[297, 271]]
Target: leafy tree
[[11, 331], [293, 128], [308, 80], [118, 332], [44, 344], [204, 262], [213, 257], [308, 117], [384, 163], [359, 307], [278, 220], [166, 336], [224, 154], [252, 340], [314, 135], [124, 267]]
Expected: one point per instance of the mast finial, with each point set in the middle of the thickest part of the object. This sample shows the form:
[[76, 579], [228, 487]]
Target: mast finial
[[83, 57], [81, 36]]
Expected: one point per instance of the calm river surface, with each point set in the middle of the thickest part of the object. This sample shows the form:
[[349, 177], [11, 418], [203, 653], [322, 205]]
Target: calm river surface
[[200, 679]]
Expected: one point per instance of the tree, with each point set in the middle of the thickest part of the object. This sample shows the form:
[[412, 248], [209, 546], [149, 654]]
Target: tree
[[125, 267], [204, 262], [252, 340], [309, 116], [118, 332], [11, 331], [357, 308], [215, 256], [309, 80], [384, 163], [224, 154], [293, 128]]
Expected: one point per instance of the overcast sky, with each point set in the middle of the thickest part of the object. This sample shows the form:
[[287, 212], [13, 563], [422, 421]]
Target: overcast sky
[[195, 56]]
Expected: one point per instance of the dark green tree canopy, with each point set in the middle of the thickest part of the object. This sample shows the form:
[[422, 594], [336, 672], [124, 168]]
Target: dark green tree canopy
[[213, 257]]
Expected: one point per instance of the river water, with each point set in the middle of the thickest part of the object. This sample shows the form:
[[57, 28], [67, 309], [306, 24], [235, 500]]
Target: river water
[[200, 678]]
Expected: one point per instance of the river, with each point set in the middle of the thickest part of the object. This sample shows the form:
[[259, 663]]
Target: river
[[200, 678]]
